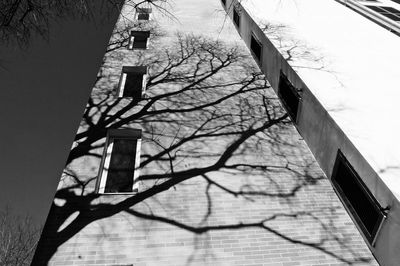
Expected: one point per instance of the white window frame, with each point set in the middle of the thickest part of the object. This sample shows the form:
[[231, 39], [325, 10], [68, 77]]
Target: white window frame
[[112, 134], [132, 40], [132, 69]]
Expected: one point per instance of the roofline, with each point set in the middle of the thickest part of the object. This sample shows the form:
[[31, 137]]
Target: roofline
[[376, 17]]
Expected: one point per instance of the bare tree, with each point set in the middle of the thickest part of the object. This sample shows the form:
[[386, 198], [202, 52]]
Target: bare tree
[[18, 238], [21, 19]]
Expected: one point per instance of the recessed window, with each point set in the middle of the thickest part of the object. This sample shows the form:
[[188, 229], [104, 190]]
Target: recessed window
[[289, 96], [143, 13], [236, 17], [133, 82], [256, 47], [357, 197], [121, 159], [138, 39]]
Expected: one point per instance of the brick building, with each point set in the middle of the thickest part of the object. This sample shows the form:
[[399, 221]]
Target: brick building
[[185, 155]]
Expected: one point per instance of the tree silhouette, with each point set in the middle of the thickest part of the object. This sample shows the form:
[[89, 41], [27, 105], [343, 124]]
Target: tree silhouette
[[18, 239], [21, 19], [207, 109]]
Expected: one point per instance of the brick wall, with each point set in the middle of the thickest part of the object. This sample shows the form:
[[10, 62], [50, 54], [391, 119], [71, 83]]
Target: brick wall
[[268, 203]]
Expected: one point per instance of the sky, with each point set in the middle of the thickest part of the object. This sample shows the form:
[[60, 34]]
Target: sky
[[43, 91]]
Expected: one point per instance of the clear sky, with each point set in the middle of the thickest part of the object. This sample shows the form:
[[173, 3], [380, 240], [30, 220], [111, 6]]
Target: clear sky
[[43, 92]]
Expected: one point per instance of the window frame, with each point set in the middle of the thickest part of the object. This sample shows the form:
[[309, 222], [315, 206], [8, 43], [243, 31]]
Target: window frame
[[292, 88], [141, 10], [112, 134], [122, 80], [135, 34], [257, 41], [236, 14], [370, 236]]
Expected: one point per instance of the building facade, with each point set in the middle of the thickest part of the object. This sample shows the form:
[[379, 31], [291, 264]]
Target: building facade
[[186, 156], [333, 72]]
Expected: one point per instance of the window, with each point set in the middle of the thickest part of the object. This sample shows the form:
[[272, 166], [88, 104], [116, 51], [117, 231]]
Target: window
[[138, 39], [133, 82], [223, 2], [236, 17], [256, 47], [121, 160], [356, 196], [386, 11], [143, 13], [289, 96]]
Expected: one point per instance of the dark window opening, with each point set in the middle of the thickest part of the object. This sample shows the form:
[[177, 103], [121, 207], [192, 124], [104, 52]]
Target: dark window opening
[[122, 166], [121, 161], [289, 96], [224, 2], [357, 197], [133, 82], [143, 16], [236, 17], [133, 85], [256, 47], [138, 39], [143, 13]]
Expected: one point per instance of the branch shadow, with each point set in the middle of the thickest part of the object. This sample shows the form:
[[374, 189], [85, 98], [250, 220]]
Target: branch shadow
[[211, 125]]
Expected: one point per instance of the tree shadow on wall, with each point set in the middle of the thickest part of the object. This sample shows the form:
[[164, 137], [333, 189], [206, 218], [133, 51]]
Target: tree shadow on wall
[[208, 117]]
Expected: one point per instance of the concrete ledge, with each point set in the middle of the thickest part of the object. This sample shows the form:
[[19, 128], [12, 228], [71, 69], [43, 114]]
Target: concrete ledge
[[323, 134]]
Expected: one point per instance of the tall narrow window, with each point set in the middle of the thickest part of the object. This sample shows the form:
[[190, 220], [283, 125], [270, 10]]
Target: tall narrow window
[[120, 162], [361, 203], [289, 96], [236, 17], [143, 13], [133, 82], [138, 39], [256, 47]]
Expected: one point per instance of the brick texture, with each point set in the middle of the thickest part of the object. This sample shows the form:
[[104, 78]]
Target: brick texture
[[280, 211]]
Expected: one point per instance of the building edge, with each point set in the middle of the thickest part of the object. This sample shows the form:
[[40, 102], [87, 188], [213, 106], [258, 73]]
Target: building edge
[[326, 139]]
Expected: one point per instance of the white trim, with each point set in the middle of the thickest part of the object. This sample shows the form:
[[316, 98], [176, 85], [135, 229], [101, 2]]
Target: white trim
[[133, 134], [123, 77], [137, 165], [106, 165], [135, 34], [122, 82], [131, 41], [144, 84]]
